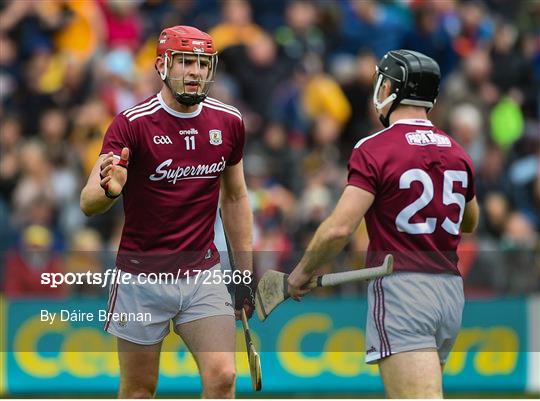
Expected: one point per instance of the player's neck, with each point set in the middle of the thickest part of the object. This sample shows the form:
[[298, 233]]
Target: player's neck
[[408, 112], [170, 101]]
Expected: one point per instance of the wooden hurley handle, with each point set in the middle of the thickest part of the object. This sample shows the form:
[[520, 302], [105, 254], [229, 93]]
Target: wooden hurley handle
[[368, 273]]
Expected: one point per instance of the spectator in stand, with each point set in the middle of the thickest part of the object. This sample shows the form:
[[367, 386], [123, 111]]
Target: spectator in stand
[[475, 30], [90, 122], [322, 96], [300, 35], [65, 168], [273, 247], [237, 26], [287, 107], [481, 262], [30, 24], [116, 82], [25, 264], [513, 75], [491, 175], [258, 68], [471, 83], [31, 98], [466, 125], [520, 241], [82, 31], [495, 214], [428, 36], [8, 68], [10, 165], [280, 156], [35, 182], [523, 171], [53, 129], [86, 254], [358, 92], [309, 98], [370, 24], [123, 24]]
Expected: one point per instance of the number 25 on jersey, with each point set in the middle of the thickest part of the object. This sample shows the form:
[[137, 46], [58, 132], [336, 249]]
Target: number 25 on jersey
[[403, 223]]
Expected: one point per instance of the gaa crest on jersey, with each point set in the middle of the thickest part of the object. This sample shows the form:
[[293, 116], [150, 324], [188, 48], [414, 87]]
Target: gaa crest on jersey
[[215, 137]]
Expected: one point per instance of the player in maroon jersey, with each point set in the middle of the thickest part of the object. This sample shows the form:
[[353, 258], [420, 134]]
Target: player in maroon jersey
[[173, 157], [415, 187]]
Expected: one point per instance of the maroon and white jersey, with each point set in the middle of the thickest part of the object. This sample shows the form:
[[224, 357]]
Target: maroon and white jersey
[[421, 179], [171, 194]]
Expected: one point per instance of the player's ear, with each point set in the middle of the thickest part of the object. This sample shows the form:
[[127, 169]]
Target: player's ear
[[386, 87], [383, 90], [160, 64]]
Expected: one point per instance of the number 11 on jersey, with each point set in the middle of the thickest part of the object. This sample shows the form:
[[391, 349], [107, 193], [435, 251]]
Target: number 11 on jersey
[[190, 142]]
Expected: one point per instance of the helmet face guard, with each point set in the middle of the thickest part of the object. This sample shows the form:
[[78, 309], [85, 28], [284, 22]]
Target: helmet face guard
[[187, 42], [179, 91], [414, 79]]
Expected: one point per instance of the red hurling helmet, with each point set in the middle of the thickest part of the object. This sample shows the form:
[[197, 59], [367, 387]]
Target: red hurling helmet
[[187, 40]]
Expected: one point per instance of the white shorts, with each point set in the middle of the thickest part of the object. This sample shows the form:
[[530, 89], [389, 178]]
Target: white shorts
[[141, 313], [412, 311]]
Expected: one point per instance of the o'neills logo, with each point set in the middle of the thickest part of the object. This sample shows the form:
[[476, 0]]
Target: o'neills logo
[[188, 172], [191, 131]]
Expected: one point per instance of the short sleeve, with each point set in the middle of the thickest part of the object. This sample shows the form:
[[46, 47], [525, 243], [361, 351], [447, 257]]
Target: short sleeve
[[239, 135], [363, 171], [118, 135], [471, 190]]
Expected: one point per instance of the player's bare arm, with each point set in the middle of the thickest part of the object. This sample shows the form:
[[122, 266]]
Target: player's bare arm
[[238, 223], [331, 237], [105, 183], [470, 216]]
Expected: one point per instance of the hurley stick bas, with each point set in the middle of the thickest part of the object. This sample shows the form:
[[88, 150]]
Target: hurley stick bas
[[254, 359], [272, 289], [253, 356]]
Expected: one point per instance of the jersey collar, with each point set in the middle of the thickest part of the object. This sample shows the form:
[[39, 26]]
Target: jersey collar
[[177, 113], [414, 121]]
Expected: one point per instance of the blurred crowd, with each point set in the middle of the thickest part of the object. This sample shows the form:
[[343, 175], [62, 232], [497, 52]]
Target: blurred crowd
[[301, 73]]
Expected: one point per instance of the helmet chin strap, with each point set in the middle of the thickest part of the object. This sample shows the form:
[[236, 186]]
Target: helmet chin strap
[[385, 120], [187, 99]]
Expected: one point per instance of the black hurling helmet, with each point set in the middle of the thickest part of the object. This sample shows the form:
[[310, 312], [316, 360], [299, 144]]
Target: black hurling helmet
[[414, 79]]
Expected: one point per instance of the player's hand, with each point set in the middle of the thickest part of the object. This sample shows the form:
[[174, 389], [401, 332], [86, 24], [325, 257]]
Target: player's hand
[[296, 284], [113, 173], [244, 298]]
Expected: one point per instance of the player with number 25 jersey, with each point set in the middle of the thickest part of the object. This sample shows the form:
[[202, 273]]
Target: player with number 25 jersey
[[418, 174], [415, 187]]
